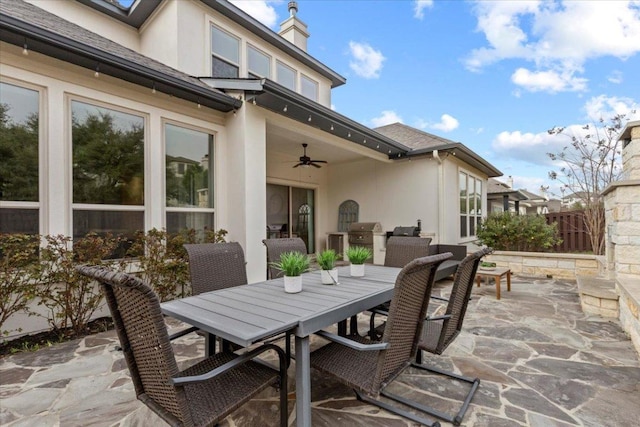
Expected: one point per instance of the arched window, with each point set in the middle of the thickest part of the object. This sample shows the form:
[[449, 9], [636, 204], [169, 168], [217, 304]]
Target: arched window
[[347, 213]]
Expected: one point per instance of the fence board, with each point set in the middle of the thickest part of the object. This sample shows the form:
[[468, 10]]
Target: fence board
[[572, 230]]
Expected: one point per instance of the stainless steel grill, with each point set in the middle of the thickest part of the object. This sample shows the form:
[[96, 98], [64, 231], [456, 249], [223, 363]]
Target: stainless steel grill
[[361, 234], [406, 231]]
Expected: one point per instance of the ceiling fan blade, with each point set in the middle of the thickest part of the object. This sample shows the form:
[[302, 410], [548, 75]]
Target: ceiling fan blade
[[299, 164], [314, 165], [318, 161]]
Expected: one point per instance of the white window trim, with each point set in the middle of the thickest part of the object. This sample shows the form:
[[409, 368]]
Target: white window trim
[[237, 64], [317, 85], [470, 237], [296, 84], [41, 204], [146, 164], [269, 57]]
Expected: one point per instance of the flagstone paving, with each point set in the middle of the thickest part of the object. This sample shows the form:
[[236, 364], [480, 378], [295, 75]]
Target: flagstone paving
[[541, 360]]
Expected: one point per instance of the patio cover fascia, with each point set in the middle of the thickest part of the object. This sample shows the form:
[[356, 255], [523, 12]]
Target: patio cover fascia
[[25, 25], [462, 152], [275, 97]]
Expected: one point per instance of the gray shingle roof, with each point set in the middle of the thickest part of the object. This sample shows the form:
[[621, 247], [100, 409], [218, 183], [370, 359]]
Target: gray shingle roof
[[412, 137]]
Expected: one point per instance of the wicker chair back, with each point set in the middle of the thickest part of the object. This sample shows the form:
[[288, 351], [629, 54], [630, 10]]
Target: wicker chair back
[[215, 266], [276, 247], [402, 250]]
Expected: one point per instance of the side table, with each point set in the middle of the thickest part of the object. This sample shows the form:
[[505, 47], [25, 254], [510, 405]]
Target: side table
[[497, 274]]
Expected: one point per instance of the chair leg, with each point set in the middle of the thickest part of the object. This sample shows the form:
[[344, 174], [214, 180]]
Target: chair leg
[[287, 345], [353, 328], [399, 411], [457, 418]]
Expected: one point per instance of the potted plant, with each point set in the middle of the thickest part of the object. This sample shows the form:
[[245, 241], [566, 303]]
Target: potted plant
[[293, 264], [357, 256], [327, 262]]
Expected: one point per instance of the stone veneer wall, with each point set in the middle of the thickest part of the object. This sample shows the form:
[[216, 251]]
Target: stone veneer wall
[[622, 215], [542, 264]]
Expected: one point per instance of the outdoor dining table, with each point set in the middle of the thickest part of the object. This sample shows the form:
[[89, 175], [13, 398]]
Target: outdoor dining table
[[250, 313]]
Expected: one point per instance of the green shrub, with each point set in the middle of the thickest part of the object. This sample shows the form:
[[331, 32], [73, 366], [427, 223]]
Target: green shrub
[[72, 298], [505, 231], [20, 273]]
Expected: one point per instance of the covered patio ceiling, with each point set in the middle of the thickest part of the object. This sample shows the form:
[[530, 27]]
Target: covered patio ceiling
[[280, 100]]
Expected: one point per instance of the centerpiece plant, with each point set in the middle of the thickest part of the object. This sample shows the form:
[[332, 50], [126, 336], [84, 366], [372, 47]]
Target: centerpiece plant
[[327, 262], [357, 256], [292, 264]]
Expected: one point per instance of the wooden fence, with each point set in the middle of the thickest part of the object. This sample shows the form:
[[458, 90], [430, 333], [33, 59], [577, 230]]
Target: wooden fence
[[572, 231]]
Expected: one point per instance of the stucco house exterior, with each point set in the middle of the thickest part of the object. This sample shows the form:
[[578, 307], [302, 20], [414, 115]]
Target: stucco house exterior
[[203, 112]]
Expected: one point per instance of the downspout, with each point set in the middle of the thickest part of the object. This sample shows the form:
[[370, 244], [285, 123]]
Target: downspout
[[436, 156]]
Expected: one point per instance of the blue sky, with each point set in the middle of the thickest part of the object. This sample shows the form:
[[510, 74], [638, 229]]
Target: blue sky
[[492, 75]]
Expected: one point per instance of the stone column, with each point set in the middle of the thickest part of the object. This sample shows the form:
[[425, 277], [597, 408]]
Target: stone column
[[622, 214]]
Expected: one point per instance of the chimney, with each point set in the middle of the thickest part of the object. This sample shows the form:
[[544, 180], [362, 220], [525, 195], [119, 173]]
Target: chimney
[[510, 181], [293, 29]]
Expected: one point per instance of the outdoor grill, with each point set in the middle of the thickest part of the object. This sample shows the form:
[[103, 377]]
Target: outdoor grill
[[406, 231], [361, 234]]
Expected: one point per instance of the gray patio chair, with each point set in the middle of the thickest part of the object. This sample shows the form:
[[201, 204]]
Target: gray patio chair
[[276, 247], [370, 366], [402, 250], [201, 395], [440, 331], [215, 266]]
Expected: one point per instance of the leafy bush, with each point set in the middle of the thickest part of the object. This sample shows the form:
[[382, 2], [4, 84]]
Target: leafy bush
[[507, 232], [20, 273], [72, 298]]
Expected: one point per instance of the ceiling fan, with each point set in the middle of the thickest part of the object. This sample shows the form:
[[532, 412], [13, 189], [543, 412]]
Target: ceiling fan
[[306, 160]]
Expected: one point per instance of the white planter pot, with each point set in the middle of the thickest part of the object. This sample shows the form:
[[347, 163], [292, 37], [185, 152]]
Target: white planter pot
[[292, 284], [357, 270], [326, 276]]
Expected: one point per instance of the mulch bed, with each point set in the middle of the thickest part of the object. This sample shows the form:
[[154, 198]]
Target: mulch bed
[[44, 339]]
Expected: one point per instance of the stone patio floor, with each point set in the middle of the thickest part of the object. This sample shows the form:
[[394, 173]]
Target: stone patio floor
[[541, 360]]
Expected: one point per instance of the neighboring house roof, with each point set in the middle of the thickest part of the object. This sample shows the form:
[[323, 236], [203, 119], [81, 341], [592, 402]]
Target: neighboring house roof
[[532, 196], [422, 143], [277, 98], [138, 13], [22, 23], [496, 190]]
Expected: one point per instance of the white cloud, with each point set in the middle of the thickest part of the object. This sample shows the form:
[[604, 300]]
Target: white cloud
[[615, 77], [260, 10], [419, 6], [606, 107], [366, 62], [548, 81], [447, 123], [386, 118], [558, 37]]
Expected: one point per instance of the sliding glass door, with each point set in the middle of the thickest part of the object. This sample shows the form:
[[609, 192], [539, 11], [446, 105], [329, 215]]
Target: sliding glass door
[[291, 213]]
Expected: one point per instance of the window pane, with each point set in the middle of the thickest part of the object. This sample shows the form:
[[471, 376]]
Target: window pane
[[478, 197], [472, 226], [222, 68], [463, 226], [463, 193], [189, 167], [118, 223], [258, 62], [18, 144], [286, 76], [309, 88], [24, 221], [108, 156], [224, 45], [199, 221], [472, 196]]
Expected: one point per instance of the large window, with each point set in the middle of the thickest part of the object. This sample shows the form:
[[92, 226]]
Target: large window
[[258, 63], [470, 204], [189, 179], [309, 88], [225, 51], [286, 76], [19, 129], [108, 171]]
